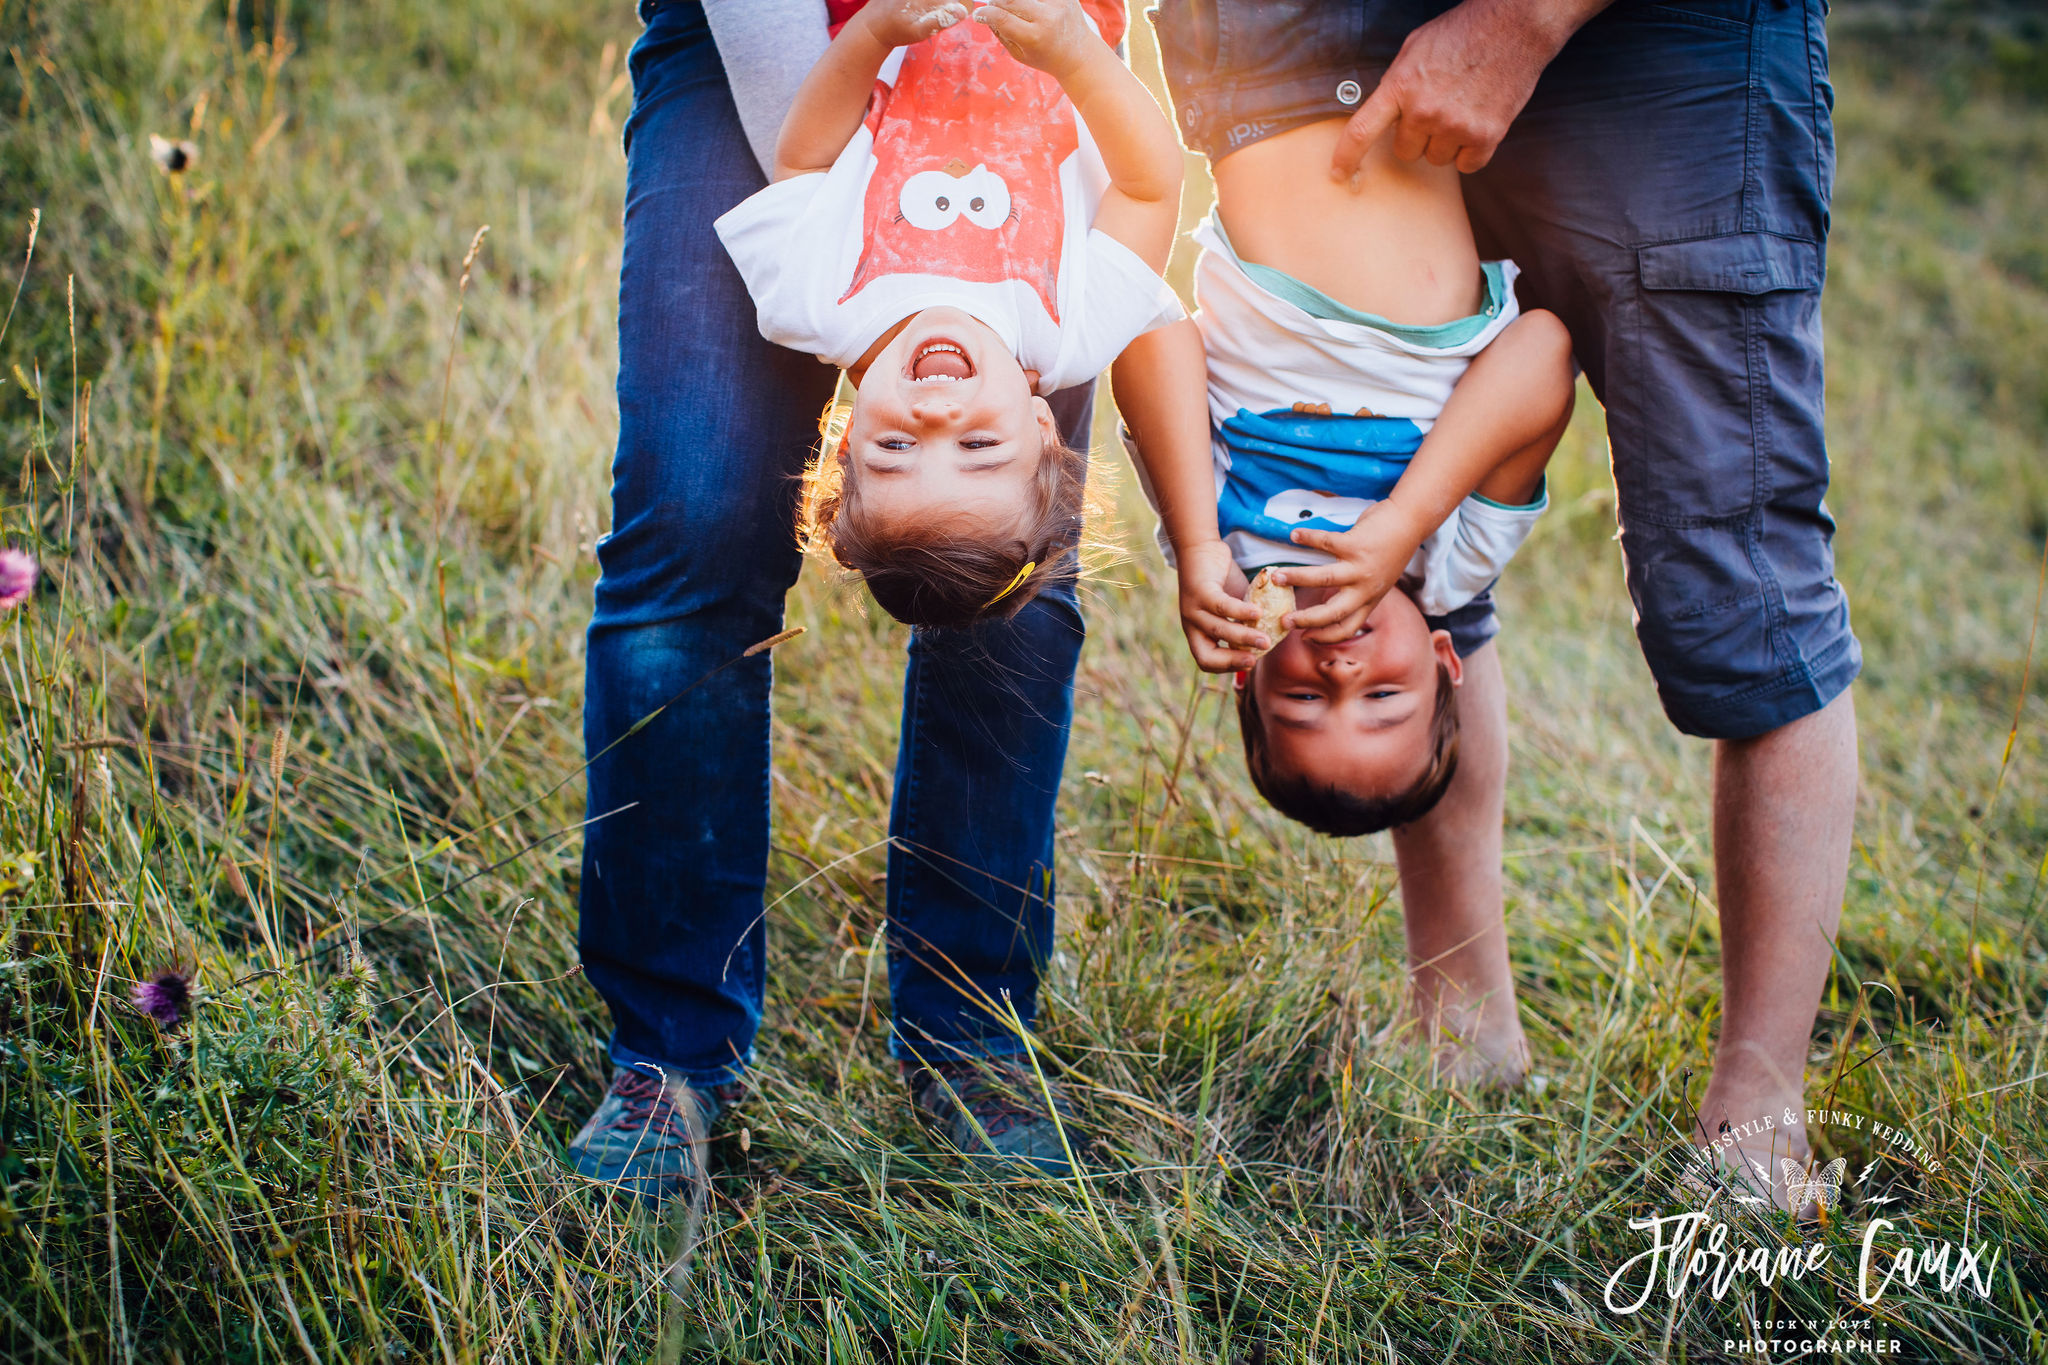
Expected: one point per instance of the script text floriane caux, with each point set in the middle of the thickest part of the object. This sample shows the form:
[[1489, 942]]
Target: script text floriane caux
[[1686, 1247]]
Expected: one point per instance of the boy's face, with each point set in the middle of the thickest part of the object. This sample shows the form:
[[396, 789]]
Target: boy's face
[[944, 418], [1355, 715]]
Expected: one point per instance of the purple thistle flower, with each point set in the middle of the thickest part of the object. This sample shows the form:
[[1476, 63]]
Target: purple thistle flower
[[17, 577], [163, 997]]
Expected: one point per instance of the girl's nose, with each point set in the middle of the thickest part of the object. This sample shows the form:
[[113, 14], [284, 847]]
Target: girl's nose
[[935, 411]]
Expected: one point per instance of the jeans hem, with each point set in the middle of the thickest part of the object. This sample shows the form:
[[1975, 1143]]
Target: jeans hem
[[927, 1048], [697, 1077]]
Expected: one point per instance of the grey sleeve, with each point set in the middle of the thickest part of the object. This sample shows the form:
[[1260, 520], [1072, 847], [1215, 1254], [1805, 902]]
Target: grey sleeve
[[767, 48]]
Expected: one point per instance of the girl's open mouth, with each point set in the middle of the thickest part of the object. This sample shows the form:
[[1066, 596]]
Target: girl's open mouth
[[939, 361]]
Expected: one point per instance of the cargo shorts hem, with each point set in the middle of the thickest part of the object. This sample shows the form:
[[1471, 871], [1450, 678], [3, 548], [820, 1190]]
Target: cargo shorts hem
[[1798, 692]]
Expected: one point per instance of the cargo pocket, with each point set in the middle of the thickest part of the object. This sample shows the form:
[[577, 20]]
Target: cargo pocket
[[1739, 263], [1688, 403], [1722, 398]]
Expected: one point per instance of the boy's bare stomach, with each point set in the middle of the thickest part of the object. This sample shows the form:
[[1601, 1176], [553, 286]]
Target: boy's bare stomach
[[1399, 245]]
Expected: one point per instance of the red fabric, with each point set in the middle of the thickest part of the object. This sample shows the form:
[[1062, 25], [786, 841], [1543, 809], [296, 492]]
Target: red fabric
[[964, 112], [839, 11], [1108, 16], [971, 125]]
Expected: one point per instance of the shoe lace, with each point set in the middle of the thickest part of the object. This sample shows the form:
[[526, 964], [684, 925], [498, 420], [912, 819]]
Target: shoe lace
[[645, 1103]]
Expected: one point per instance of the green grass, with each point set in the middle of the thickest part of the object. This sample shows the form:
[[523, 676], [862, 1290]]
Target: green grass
[[297, 710]]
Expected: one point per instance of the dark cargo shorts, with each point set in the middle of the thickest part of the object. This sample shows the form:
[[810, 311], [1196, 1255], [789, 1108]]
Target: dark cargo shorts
[[1666, 194]]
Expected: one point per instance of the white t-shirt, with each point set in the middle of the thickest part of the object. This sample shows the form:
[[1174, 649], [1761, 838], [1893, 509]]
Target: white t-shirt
[[971, 182], [1313, 418]]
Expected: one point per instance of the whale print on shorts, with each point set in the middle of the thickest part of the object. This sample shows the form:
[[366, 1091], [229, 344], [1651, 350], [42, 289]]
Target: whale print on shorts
[[1316, 509]]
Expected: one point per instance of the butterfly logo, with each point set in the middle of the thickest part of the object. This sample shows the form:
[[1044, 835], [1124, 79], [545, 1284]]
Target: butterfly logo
[[1823, 1187]]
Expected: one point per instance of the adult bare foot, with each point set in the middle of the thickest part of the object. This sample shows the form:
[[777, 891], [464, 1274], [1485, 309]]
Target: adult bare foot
[[1750, 1135]]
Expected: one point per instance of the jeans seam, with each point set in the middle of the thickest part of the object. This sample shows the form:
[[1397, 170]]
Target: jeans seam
[[902, 884]]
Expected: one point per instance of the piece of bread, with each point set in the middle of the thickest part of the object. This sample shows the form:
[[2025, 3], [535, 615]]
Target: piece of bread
[[1273, 601]]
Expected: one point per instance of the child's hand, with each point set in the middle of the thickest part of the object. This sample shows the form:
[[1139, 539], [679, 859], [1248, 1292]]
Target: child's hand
[[1051, 35], [901, 23], [1219, 623], [1371, 557]]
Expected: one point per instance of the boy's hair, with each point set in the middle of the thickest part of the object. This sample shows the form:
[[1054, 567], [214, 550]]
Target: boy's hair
[[927, 573], [1329, 809]]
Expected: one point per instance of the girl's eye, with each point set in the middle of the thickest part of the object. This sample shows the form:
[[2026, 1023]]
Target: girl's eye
[[1381, 695], [979, 443], [894, 443], [1303, 696]]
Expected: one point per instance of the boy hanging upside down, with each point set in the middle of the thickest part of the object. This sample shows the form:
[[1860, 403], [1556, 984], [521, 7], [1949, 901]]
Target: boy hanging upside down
[[1378, 416]]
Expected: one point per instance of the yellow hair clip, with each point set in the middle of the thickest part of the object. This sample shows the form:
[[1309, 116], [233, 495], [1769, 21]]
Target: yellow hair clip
[[1022, 574]]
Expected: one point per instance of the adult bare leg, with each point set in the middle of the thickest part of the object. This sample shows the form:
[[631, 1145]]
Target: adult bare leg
[[1461, 992], [1784, 805]]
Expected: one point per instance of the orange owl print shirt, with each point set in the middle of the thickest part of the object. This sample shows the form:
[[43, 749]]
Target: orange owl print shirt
[[972, 183]]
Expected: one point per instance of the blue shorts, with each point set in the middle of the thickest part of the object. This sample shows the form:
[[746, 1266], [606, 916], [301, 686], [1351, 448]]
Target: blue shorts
[[1666, 194]]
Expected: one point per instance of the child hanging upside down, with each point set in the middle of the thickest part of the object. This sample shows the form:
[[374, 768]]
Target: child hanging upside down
[[1378, 416], [1384, 471], [966, 216]]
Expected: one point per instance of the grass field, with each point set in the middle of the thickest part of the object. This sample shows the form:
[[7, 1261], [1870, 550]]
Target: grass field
[[295, 711]]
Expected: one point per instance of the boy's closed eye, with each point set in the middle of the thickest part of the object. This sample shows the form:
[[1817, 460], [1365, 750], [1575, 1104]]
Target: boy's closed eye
[[1377, 694]]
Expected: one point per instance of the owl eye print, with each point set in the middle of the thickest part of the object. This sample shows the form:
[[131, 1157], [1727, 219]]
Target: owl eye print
[[934, 200]]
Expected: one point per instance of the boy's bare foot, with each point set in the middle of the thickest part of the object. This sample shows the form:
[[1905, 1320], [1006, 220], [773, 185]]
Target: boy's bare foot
[[1495, 1058]]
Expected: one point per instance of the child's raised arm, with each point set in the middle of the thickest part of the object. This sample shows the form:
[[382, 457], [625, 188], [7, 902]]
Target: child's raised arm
[[1141, 208], [1493, 437], [1161, 384], [833, 99]]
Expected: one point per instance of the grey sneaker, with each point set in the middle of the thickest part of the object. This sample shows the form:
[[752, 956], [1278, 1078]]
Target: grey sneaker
[[993, 1107], [639, 1141]]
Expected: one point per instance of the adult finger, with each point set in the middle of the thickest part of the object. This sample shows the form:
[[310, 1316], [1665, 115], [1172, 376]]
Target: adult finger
[[1475, 155], [1411, 136], [1442, 148], [1379, 112]]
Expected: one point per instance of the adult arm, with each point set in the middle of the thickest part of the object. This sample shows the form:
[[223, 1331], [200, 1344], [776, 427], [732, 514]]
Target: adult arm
[[1460, 80], [766, 46]]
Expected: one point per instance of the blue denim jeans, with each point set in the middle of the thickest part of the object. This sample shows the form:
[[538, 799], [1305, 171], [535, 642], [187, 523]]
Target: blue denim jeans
[[714, 427]]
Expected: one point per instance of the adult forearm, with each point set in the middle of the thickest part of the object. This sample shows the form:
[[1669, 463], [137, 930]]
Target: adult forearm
[[1548, 23], [766, 46]]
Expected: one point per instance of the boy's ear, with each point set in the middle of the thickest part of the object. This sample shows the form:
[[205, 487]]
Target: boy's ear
[[1447, 655]]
